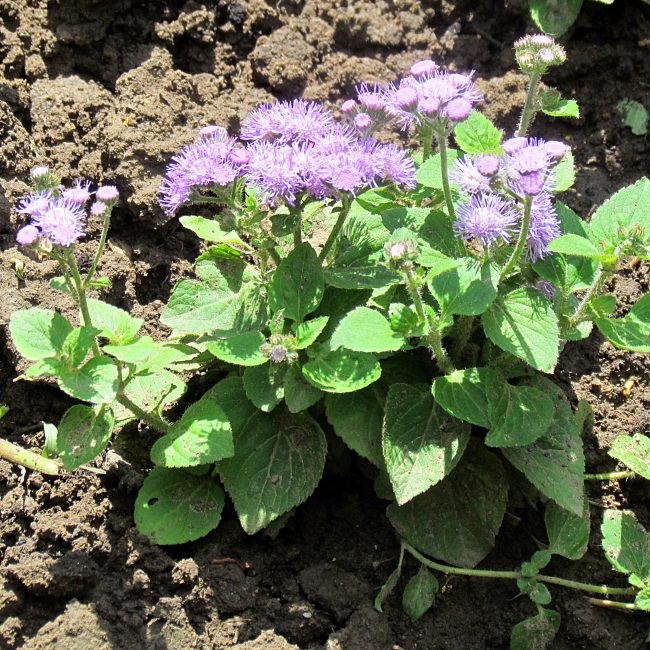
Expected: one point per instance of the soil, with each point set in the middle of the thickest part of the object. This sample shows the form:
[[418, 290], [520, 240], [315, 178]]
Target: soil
[[109, 91]]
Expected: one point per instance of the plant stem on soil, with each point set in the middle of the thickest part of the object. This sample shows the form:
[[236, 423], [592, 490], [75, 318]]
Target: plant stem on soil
[[29, 459], [609, 476], [515, 575]]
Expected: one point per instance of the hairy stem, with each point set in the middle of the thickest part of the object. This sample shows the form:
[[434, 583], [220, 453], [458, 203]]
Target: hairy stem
[[444, 171], [426, 135], [15, 454], [343, 214], [153, 420], [521, 242], [609, 476], [515, 575], [598, 282], [81, 296], [100, 248], [529, 111]]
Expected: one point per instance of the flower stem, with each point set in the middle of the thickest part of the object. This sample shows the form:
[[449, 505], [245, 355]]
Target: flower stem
[[29, 459], [153, 420], [521, 242], [515, 575], [599, 602], [584, 301], [81, 296], [444, 171], [100, 248], [426, 134], [433, 336], [609, 476], [529, 111], [343, 214]]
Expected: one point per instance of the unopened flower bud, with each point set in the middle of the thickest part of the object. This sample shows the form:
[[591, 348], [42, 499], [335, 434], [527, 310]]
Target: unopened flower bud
[[27, 235], [541, 39], [487, 165], [38, 172], [458, 109], [429, 106], [422, 68], [212, 129], [372, 101], [514, 144], [546, 289], [278, 353], [397, 250], [362, 121], [239, 157], [533, 183], [107, 193], [406, 97], [98, 209], [348, 106], [555, 149]]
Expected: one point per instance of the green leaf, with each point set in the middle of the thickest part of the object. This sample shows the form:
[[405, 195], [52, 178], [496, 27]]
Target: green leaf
[[429, 173], [38, 333], [342, 371], [568, 533], [554, 463], [298, 283], [202, 435], [60, 284], [116, 325], [437, 262], [438, 232], [357, 418], [458, 519], [96, 381], [563, 108], [149, 355], [421, 443], [45, 368], [523, 323], [83, 434], [477, 134], [633, 452], [568, 272], [575, 245], [462, 394], [361, 277], [405, 320], [174, 507], [467, 290], [519, 415], [419, 593], [264, 385], [626, 543], [226, 296], [299, 394], [151, 392], [307, 332], [554, 16], [642, 600], [636, 115], [78, 343], [230, 395], [277, 464], [209, 230], [537, 632], [387, 588], [628, 207], [241, 349], [564, 172], [632, 332], [366, 330]]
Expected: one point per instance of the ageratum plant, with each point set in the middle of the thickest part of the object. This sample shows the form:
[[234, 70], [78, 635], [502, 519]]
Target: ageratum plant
[[412, 302]]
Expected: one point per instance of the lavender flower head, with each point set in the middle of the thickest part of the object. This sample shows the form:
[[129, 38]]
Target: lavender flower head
[[202, 164], [62, 223], [107, 193], [467, 175], [528, 164], [27, 235], [544, 227], [370, 111], [79, 193], [36, 204], [488, 218], [40, 171]]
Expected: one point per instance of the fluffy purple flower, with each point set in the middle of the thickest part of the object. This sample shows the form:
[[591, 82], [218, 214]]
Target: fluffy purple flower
[[40, 171], [107, 193], [210, 130], [421, 68], [98, 209], [362, 121], [528, 165], [546, 289], [555, 149], [487, 164], [36, 204], [63, 222], [468, 176], [348, 106], [79, 193], [203, 164], [395, 166], [286, 122], [514, 144], [488, 218], [27, 235], [458, 109], [544, 226]]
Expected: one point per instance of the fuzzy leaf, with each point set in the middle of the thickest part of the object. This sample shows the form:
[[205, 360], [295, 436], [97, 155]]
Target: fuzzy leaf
[[116, 325], [564, 172], [307, 332], [419, 593], [39, 333], [174, 507], [264, 385], [537, 632], [575, 245], [242, 349], [299, 394], [209, 230], [151, 392], [633, 452], [429, 173], [462, 394], [477, 134], [277, 464], [458, 519], [554, 16], [563, 108], [632, 332], [366, 330], [626, 543], [568, 533], [83, 434], [342, 371], [361, 277], [96, 381]]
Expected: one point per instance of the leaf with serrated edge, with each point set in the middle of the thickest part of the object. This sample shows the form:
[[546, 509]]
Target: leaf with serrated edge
[[243, 349], [458, 519], [568, 534], [523, 323], [633, 452], [202, 435], [96, 381], [277, 464], [421, 443], [264, 385], [307, 332], [554, 463], [299, 394], [83, 434], [357, 418], [626, 543], [174, 507], [477, 134], [632, 332], [116, 325], [366, 330], [38, 333], [342, 371], [462, 394]]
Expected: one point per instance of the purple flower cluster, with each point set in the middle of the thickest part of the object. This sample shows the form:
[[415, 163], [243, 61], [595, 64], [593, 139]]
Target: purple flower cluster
[[428, 95], [498, 187], [291, 148], [59, 215]]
